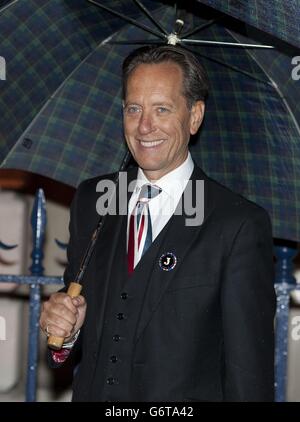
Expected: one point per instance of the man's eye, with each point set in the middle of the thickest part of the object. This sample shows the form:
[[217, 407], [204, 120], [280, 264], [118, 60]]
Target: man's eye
[[132, 109], [162, 110]]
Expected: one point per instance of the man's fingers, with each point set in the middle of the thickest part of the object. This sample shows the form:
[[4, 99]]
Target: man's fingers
[[60, 312], [63, 299], [59, 324], [78, 301], [58, 331]]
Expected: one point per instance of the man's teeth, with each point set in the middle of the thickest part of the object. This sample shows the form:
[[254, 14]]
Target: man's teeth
[[150, 144]]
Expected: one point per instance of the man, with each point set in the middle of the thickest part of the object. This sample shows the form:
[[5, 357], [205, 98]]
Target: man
[[188, 315]]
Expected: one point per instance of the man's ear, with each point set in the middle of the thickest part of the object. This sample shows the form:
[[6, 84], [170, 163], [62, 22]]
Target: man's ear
[[197, 114]]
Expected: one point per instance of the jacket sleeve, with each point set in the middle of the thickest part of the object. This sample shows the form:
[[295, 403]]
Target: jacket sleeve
[[248, 309]]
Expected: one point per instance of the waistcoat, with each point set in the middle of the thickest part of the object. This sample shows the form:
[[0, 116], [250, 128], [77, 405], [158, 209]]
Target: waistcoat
[[112, 376]]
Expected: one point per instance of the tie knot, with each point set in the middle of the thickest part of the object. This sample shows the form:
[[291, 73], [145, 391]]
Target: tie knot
[[148, 192]]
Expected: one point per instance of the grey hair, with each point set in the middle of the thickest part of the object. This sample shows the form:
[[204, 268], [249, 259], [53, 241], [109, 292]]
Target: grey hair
[[195, 80]]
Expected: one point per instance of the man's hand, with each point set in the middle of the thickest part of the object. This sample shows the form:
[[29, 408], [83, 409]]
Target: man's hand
[[62, 316]]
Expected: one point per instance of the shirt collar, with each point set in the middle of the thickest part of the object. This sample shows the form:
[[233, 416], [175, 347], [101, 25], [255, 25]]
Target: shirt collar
[[166, 183]]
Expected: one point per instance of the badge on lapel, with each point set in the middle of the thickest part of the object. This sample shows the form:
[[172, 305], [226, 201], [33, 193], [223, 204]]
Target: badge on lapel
[[167, 261]]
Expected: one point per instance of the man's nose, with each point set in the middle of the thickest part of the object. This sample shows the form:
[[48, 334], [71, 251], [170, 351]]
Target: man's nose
[[146, 124]]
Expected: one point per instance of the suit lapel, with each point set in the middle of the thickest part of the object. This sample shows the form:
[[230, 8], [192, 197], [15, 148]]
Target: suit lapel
[[176, 238]]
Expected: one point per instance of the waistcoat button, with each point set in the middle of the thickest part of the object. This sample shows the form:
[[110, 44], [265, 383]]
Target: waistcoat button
[[116, 337]]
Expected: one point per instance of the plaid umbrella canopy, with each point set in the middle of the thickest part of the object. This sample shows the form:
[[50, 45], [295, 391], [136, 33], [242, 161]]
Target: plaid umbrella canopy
[[280, 18], [60, 106]]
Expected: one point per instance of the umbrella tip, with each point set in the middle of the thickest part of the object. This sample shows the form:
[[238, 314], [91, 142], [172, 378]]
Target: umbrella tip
[[173, 38], [179, 22]]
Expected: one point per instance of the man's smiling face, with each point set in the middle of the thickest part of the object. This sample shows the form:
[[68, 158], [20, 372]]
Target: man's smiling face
[[157, 121]]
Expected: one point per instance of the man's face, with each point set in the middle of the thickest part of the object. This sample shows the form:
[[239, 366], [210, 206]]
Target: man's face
[[157, 121]]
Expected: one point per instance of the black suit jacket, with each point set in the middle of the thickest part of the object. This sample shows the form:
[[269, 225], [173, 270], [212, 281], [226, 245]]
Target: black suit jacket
[[206, 328]]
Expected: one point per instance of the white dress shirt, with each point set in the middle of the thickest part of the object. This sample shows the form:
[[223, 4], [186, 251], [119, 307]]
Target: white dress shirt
[[163, 206]]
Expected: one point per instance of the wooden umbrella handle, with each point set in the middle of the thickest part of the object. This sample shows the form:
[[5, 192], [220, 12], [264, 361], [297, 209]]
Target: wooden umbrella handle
[[57, 342]]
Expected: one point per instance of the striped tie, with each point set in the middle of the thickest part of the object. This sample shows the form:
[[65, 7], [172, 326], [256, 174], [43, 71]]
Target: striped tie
[[140, 228]]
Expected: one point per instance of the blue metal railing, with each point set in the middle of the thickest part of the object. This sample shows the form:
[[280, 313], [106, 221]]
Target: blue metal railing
[[285, 283], [35, 280]]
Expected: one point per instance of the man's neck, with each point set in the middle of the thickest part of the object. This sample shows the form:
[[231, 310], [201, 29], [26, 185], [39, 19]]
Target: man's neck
[[153, 177]]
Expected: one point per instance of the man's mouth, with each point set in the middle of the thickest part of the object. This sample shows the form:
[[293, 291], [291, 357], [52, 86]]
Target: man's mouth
[[151, 144]]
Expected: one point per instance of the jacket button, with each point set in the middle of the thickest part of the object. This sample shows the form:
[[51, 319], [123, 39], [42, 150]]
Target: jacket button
[[113, 359], [116, 337], [120, 316], [124, 295]]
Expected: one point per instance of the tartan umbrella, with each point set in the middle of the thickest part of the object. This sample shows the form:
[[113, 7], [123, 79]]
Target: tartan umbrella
[[280, 18], [60, 105]]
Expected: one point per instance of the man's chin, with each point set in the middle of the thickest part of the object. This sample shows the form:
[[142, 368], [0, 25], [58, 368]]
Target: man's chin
[[147, 166], [154, 173]]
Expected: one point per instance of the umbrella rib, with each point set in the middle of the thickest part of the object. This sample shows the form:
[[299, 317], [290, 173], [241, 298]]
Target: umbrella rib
[[148, 14], [225, 43], [278, 90], [275, 86], [230, 66], [128, 19], [54, 95], [132, 42], [199, 28], [8, 5]]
